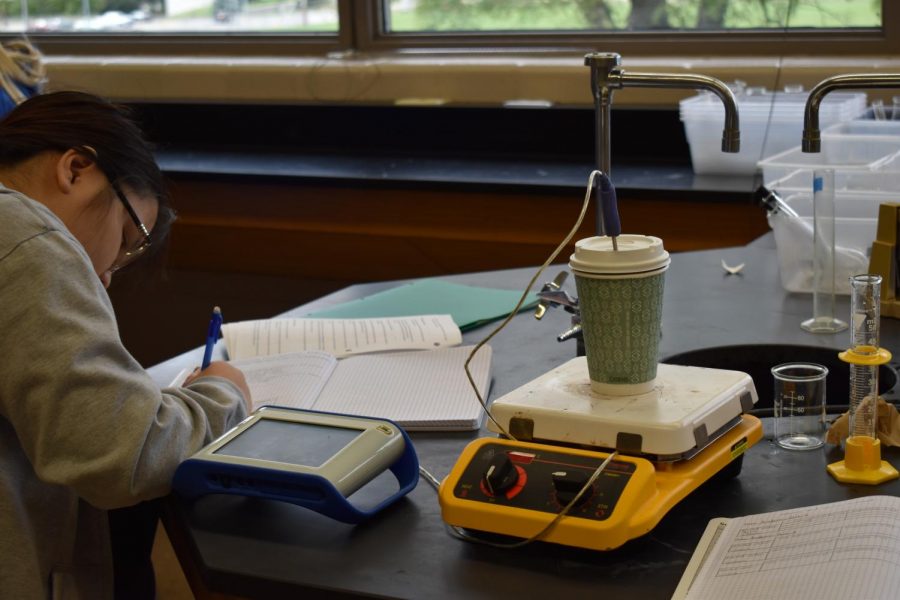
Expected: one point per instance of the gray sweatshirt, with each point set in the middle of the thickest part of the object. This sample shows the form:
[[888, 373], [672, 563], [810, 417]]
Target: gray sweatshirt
[[83, 428]]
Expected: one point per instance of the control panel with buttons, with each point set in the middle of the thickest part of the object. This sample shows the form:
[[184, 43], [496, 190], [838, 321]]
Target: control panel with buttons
[[544, 479], [518, 488]]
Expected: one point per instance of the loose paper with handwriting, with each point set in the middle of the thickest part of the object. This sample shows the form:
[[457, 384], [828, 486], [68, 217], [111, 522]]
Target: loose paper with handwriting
[[340, 337]]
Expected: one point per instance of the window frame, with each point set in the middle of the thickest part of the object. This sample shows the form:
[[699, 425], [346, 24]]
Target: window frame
[[361, 28], [680, 43]]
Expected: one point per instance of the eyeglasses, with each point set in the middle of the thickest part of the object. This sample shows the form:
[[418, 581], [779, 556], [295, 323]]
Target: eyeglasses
[[127, 256]]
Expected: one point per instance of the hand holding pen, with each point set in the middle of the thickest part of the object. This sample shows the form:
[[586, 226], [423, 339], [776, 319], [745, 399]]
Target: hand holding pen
[[212, 335], [219, 368]]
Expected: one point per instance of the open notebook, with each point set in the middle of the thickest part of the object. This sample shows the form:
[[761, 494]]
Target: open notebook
[[420, 390], [847, 549]]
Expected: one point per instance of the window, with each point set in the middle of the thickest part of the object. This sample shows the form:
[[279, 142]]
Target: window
[[291, 27], [628, 15], [170, 16], [657, 27]]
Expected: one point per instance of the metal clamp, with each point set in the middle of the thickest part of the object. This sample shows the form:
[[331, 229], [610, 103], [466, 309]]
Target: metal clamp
[[552, 295]]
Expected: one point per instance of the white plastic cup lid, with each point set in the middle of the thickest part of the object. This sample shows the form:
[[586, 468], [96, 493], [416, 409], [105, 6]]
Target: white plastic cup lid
[[635, 254]]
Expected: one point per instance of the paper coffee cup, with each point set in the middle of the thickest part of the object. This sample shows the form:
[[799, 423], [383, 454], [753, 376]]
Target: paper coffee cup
[[620, 296]]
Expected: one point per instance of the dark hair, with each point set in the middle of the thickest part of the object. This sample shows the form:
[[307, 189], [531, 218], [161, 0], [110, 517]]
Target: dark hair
[[62, 121]]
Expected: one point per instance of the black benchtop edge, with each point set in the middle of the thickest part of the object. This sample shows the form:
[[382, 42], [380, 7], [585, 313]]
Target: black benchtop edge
[[664, 182], [541, 151]]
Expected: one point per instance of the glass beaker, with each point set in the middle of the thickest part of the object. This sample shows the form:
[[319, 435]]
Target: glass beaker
[[799, 405]]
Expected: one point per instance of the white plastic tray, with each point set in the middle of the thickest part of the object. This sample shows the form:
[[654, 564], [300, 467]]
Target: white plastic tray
[[855, 227], [845, 154]]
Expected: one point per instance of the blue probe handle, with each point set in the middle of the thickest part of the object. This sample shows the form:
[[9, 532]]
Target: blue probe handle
[[609, 207]]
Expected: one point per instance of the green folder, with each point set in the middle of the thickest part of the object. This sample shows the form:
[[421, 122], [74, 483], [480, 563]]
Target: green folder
[[469, 306]]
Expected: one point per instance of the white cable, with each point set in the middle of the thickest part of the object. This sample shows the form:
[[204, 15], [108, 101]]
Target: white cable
[[509, 317], [429, 478], [457, 531]]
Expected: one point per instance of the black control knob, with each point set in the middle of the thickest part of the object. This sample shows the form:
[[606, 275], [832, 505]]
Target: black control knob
[[500, 475], [567, 484]]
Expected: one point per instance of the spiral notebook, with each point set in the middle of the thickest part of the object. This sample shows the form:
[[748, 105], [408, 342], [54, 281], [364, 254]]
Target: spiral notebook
[[421, 390]]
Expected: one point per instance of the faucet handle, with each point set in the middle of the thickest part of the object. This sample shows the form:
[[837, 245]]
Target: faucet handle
[[607, 60], [604, 65]]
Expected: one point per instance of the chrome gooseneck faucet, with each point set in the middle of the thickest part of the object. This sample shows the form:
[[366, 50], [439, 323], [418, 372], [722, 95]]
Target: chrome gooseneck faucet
[[607, 75], [812, 136]]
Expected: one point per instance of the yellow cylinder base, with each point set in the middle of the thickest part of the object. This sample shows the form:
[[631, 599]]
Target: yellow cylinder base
[[862, 463]]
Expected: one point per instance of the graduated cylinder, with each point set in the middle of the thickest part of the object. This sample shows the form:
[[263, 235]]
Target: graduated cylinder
[[864, 354], [862, 458]]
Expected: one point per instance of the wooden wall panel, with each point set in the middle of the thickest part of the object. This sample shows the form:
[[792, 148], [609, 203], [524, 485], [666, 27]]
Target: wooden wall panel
[[358, 234]]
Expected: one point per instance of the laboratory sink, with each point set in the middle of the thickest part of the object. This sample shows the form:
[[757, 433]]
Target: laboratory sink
[[757, 361]]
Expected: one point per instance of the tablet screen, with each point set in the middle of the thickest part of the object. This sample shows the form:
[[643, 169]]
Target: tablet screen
[[289, 442]]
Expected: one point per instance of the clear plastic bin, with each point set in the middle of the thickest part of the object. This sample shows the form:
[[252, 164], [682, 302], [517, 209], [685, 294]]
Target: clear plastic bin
[[884, 182], [770, 123], [887, 114], [856, 222], [845, 154], [864, 127]]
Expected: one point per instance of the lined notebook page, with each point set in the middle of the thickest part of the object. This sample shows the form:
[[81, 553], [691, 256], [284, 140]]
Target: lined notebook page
[[848, 549], [295, 379], [418, 390], [340, 337]]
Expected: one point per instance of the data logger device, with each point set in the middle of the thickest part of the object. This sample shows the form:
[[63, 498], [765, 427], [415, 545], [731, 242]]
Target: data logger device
[[309, 458]]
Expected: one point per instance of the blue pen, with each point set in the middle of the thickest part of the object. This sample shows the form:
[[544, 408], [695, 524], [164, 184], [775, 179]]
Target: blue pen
[[215, 324]]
